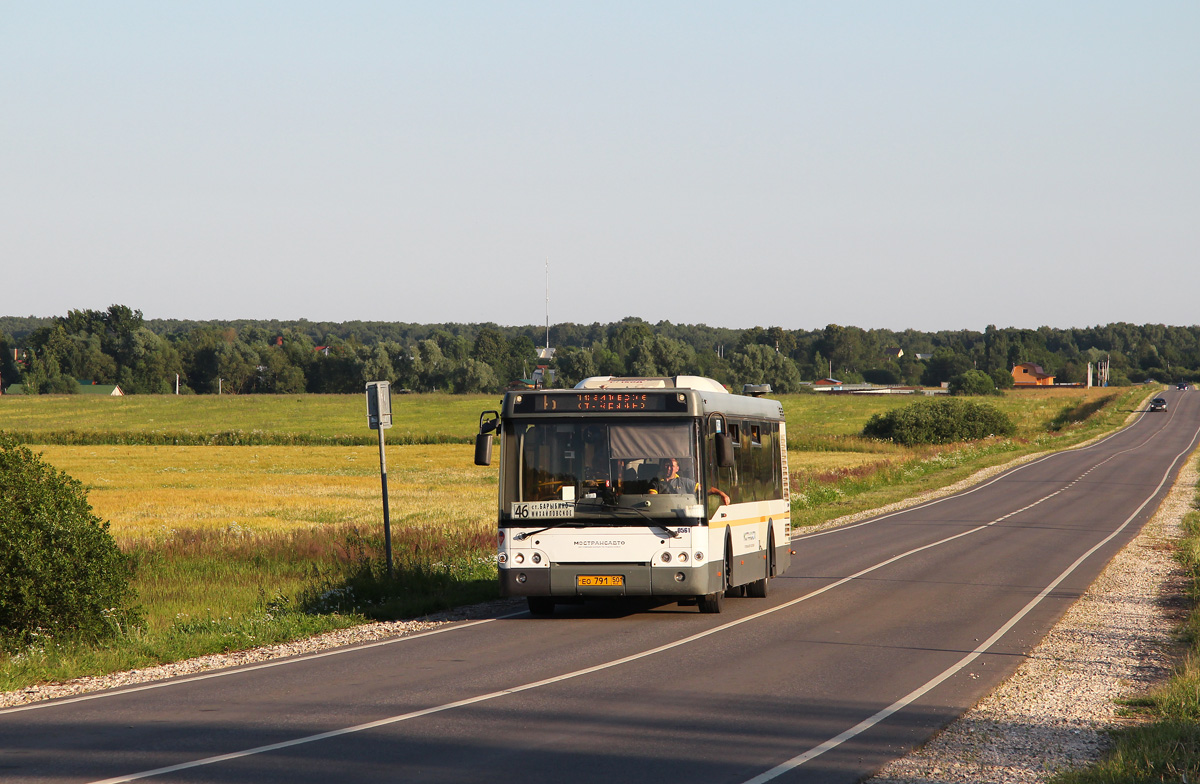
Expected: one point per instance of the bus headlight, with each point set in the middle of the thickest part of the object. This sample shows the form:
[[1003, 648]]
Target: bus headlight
[[519, 557], [683, 557]]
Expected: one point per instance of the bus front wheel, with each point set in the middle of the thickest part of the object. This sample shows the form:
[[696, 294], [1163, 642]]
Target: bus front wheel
[[711, 603]]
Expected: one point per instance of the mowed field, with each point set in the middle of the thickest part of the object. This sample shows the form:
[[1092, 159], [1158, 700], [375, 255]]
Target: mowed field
[[282, 536], [151, 490]]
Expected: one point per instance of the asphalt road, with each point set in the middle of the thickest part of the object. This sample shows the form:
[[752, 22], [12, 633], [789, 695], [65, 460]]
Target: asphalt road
[[879, 634]]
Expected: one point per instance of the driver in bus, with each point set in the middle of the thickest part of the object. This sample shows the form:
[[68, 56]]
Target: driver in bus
[[671, 481]]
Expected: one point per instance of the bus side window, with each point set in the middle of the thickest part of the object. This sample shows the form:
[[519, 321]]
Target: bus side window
[[723, 479]]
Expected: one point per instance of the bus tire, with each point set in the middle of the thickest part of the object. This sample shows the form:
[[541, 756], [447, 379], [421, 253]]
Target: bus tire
[[760, 588], [730, 588], [711, 602], [540, 605]]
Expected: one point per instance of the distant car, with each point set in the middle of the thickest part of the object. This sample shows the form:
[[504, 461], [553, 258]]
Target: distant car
[[1158, 404], [1181, 385]]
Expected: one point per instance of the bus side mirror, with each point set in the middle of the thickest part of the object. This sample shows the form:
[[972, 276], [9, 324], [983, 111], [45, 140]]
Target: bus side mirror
[[724, 451], [483, 449], [483, 440]]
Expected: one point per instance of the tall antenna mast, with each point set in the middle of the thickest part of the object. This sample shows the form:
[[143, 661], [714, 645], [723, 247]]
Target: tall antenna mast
[[547, 305]]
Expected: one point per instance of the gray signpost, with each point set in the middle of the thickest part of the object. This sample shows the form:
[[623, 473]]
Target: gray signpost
[[379, 417]]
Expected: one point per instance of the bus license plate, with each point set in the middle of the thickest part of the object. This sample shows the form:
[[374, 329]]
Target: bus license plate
[[593, 580]]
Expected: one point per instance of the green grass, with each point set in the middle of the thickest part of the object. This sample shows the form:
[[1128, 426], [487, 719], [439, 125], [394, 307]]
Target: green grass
[[234, 420], [1044, 422], [240, 546], [1163, 743], [217, 591]]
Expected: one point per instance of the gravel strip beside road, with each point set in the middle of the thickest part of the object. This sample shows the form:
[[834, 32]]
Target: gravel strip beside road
[[1115, 642], [368, 632]]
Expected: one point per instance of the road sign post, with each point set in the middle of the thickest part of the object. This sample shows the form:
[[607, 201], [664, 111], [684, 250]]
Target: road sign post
[[379, 417]]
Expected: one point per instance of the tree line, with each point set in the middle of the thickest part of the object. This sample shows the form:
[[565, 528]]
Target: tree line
[[146, 356]]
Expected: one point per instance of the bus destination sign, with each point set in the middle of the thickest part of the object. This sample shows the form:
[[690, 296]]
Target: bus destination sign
[[600, 401]]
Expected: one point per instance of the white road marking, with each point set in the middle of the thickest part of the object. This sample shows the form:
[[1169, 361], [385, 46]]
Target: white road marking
[[251, 668], [919, 692], [790, 764]]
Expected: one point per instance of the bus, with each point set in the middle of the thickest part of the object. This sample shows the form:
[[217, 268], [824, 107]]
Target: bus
[[664, 487]]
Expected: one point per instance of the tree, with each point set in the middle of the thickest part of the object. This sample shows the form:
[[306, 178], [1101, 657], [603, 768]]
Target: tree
[[472, 375], [1002, 378], [883, 376], [972, 382], [758, 364], [943, 366], [378, 366], [573, 365]]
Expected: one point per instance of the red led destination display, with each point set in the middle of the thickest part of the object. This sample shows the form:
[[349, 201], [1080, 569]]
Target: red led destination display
[[599, 402], [570, 402]]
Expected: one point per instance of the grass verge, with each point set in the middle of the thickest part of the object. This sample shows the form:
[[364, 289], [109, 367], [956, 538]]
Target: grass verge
[[823, 494], [213, 591], [242, 546], [1164, 743]]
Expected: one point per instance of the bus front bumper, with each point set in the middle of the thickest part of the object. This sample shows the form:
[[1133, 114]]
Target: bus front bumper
[[610, 579]]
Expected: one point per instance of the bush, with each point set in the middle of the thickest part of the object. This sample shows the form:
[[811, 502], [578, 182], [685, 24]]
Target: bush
[[62, 574], [939, 421], [1002, 378], [972, 382]]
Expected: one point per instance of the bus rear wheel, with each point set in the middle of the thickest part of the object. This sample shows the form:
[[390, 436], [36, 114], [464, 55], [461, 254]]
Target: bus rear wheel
[[711, 603], [540, 605], [759, 588]]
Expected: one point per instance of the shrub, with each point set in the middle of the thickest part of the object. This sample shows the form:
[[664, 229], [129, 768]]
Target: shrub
[[61, 574], [972, 382], [939, 421]]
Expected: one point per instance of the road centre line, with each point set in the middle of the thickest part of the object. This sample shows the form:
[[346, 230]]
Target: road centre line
[[666, 647], [929, 685], [295, 660]]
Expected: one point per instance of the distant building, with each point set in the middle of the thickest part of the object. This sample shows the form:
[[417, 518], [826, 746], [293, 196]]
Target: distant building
[[1029, 374], [893, 352], [92, 388]]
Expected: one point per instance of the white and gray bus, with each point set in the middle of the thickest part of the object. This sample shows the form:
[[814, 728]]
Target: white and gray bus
[[668, 487]]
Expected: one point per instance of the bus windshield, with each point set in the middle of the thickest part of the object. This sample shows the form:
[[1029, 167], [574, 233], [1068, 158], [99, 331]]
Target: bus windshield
[[640, 463]]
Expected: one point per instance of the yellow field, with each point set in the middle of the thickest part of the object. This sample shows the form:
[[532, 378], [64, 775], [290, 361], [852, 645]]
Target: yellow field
[[146, 490], [815, 462]]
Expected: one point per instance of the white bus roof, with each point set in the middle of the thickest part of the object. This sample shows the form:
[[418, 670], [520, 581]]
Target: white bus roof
[[699, 383]]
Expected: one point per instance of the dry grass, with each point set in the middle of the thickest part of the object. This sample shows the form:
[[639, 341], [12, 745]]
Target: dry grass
[[147, 490]]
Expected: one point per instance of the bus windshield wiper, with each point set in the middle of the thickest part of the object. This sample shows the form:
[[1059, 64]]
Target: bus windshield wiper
[[526, 535], [611, 507]]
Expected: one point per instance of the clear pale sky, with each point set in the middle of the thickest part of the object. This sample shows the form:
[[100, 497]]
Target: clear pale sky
[[926, 165]]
